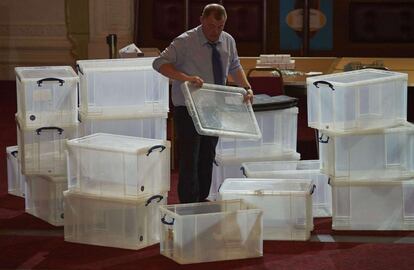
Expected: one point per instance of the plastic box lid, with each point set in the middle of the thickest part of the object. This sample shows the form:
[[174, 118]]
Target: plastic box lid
[[356, 77], [45, 73], [118, 143], [265, 102], [220, 111], [114, 64], [253, 186]]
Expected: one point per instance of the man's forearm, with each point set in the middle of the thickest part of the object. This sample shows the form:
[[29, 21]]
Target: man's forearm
[[171, 72], [240, 78]]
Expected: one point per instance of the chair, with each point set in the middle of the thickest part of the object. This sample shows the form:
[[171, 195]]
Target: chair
[[266, 81]]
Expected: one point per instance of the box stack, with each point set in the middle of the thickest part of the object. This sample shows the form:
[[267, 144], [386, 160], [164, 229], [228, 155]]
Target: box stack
[[366, 147], [300, 169], [124, 97], [286, 204], [277, 121], [116, 184], [46, 117]]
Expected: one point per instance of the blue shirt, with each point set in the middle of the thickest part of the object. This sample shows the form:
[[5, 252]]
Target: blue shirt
[[190, 53]]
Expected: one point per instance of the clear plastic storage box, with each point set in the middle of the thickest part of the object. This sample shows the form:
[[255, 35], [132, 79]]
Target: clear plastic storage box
[[384, 153], [220, 111], [226, 167], [42, 150], [118, 166], [286, 204], [122, 87], [212, 231], [148, 127], [44, 197], [300, 169], [47, 96], [373, 205], [112, 222], [279, 134], [356, 100], [15, 179]]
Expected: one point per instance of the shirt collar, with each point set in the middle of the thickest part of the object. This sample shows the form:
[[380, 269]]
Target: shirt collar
[[202, 38]]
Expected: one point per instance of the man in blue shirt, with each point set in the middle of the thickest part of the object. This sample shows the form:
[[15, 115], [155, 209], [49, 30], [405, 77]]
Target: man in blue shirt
[[203, 54]]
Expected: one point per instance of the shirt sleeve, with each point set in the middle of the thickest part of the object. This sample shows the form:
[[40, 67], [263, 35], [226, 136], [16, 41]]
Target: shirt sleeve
[[234, 58], [171, 55]]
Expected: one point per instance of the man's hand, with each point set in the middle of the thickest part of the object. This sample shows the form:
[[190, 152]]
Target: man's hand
[[249, 95], [196, 80]]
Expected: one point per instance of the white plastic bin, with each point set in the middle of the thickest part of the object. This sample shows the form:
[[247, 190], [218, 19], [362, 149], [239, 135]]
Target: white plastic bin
[[300, 169], [219, 110], [357, 100], [374, 154], [286, 204], [148, 127], [279, 134], [118, 166], [47, 96], [373, 205], [226, 167], [112, 222], [122, 87], [42, 150], [212, 231], [15, 179], [44, 197]]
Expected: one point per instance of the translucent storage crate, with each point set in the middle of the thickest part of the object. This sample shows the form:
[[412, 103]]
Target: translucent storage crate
[[121, 87], [42, 150], [384, 153], [112, 222], [118, 166], [373, 205], [225, 167], [44, 197], [286, 204], [148, 127], [300, 169], [357, 100], [220, 111], [47, 96], [279, 134], [15, 179], [212, 231]]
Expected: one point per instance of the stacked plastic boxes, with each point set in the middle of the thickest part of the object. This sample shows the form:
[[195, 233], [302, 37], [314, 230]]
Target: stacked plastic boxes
[[46, 117], [301, 169], [116, 184], [277, 120], [366, 147], [124, 97]]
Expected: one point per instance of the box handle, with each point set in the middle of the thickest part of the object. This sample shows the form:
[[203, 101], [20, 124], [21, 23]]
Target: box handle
[[329, 181], [14, 153], [166, 222], [39, 82], [155, 147], [159, 197], [324, 82], [243, 171], [79, 69], [60, 130], [312, 189], [321, 140]]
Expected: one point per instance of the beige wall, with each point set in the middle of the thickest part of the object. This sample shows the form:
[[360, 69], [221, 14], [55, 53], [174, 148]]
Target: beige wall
[[41, 32]]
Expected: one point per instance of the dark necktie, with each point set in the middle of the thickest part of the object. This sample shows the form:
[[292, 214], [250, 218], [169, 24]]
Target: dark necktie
[[217, 66]]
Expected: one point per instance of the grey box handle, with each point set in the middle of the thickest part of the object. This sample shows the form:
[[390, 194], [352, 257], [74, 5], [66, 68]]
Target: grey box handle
[[324, 82], [159, 197], [166, 222], [39, 82], [60, 130], [155, 147]]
